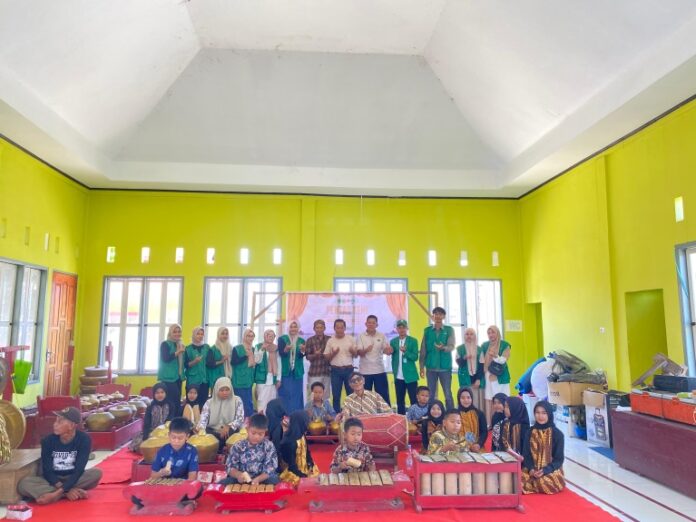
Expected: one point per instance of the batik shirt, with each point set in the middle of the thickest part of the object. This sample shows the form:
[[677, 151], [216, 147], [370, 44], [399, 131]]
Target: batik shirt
[[343, 452], [261, 458], [440, 438], [369, 404], [320, 412]]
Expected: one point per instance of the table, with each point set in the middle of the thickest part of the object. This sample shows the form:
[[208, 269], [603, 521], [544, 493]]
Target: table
[[658, 449], [24, 463]]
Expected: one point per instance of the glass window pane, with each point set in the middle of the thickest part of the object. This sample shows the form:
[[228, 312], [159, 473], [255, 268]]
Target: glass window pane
[[251, 288], [343, 287], [152, 344], [439, 289], [235, 335], [173, 302], [397, 287], [154, 301], [33, 287], [379, 286], [234, 299], [214, 304], [454, 310], [272, 286], [211, 334], [4, 335], [115, 291], [113, 336], [134, 294], [130, 349], [8, 277], [360, 286]]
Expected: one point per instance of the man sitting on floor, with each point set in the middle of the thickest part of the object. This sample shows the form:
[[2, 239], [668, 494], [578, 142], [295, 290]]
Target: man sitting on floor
[[362, 401], [64, 456]]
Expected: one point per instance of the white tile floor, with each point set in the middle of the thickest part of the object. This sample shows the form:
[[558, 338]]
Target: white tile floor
[[633, 498]]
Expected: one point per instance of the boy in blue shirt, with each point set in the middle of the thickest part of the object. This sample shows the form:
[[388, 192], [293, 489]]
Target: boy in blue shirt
[[419, 411], [178, 459], [317, 406]]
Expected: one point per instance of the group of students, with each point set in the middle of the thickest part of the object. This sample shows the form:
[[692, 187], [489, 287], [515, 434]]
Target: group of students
[[464, 429]]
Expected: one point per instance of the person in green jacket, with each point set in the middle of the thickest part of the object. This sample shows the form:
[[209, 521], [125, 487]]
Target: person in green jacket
[[404, 354], [291, 348], [171, 363], [196, 357], [436, 356], [216, 361], [243, 371], [470, 370], [494, 349]]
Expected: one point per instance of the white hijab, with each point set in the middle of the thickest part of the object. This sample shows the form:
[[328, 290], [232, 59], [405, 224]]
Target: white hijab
[[222, 412]]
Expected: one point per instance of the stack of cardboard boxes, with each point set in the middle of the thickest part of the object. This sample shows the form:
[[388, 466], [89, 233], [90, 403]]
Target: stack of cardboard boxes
[[571, 416]]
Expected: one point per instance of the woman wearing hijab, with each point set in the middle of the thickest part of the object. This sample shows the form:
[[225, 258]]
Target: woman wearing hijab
[[190, 409], [267, 371], [223, 413], [159, 411], [516, 424], [436, 412], [295, 459], [217, 361], [171, 363], [277, 421], [196, 370], [542, 468], [469, 369], [494, 349], [499, 402], [243, 368], [291, 348], [474, 427]]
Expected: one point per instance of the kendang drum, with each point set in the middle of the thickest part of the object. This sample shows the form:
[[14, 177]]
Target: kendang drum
[[383, 432]]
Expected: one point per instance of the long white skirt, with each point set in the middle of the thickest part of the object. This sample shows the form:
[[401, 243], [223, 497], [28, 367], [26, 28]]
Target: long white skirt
[[493, 387], [264, 394]]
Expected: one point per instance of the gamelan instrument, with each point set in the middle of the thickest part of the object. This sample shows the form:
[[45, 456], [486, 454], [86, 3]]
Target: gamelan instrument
[[468, 480], [384, 433], [356, 491], [163, 496], [247, 497]]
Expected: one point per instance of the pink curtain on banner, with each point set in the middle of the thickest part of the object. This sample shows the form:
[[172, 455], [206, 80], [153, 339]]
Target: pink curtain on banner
[[397, 305], [296, 305]]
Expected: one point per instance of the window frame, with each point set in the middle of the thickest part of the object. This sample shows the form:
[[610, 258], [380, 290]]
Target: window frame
[[39, 324], [142, 321], [370, 281], [244, 280], [464, 309]]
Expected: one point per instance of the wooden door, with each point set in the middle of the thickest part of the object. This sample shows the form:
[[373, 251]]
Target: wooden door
[[60, 334]]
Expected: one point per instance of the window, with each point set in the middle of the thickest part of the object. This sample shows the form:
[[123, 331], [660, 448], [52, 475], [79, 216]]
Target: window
[[22, 292], [686, 275], [137, 315], [229, 301], [370, 285], [474, 303]]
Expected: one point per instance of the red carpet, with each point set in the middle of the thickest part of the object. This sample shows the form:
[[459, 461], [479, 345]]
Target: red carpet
[[117, 468], [106, 504]]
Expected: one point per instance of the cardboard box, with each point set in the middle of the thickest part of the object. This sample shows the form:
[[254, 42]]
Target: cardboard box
[[571, 421], [569, 393], [597, 413]]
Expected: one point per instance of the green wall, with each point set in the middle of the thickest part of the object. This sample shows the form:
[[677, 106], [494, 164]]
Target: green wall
[[36, 196]]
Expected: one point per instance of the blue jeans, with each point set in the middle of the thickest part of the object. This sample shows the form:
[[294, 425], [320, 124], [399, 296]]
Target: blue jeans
[[445, 378], [402, 387], [339, 379], [247, 401]]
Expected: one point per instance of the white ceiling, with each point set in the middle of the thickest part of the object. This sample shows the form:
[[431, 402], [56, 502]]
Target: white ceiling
[[388, 97]]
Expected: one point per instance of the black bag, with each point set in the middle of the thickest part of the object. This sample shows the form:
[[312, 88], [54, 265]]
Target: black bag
[[495, 368]]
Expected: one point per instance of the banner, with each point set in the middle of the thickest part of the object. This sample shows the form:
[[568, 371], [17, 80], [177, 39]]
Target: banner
[[306, 308]]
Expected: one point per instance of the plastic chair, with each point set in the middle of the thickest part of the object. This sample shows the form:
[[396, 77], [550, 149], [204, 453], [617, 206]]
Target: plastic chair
[[47, 405], [146, 392]]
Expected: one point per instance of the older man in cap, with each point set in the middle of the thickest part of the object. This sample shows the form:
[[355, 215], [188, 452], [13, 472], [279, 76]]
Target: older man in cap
[[64, 455]]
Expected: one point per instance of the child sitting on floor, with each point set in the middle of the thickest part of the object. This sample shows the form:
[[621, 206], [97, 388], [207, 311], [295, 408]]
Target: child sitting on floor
[[317, 406], [353, 454], [295, 458], [474, 427], [253, 460], [432, 422], [418, 412], [178, 459], [190, 409], [448, 439]]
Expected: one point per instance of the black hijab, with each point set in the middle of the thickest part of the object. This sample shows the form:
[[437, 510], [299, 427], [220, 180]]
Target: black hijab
[[159, 386], [186, 399], [518, 411], [299, 422], [499, 416], [466, 389], [435, 420], [549, 411], [275, 411]]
